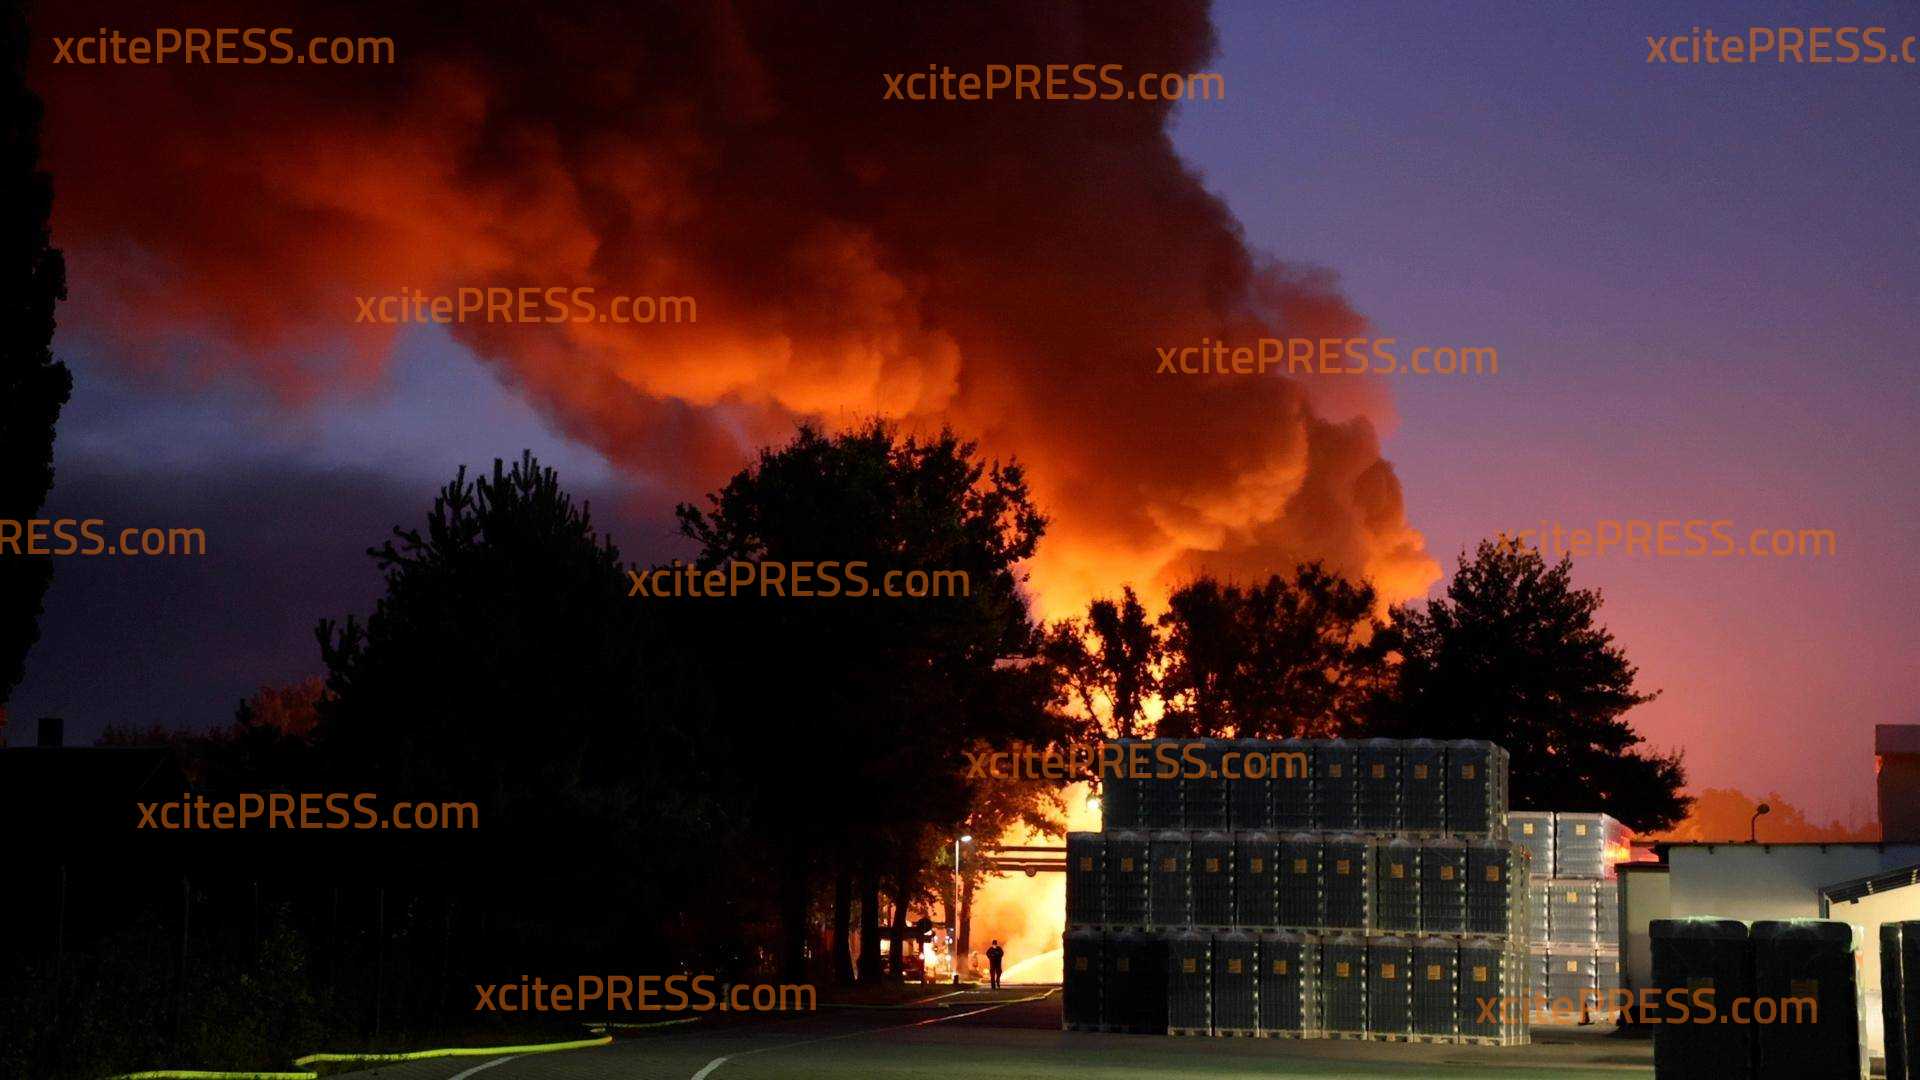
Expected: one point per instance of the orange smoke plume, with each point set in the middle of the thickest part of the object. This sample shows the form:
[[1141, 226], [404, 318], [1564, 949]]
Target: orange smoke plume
[[1008, 268]]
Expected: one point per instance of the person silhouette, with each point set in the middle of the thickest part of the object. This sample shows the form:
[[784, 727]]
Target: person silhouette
[[994, 955]]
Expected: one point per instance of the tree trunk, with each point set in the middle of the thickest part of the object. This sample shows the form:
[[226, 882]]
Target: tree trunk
[[793, 920], [903, 882], [843, 927], [869, 923]]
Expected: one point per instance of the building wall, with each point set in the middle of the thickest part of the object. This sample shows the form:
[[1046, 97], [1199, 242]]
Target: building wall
[[1771, 881], [1899, 791], [1868, 913], [1644, 897]]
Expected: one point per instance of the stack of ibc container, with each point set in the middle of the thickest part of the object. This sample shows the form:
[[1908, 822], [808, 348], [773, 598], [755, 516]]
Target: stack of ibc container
[[1699, 960], [1288, 990], [1190, 983], [1574, 908], [1236, 974], [1212, 877], [1900, 997], [1396, 876], [1346, 890], [1806, 979], [1294, 807], [1436, 988], [1443, 886]]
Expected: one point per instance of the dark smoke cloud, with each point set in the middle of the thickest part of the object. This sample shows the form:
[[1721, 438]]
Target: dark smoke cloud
[[1006, 267]]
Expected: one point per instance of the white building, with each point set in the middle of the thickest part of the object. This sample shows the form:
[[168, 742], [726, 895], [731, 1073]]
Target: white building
[[1862, 884]]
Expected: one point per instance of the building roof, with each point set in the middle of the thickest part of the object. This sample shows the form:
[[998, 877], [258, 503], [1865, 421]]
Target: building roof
[[1884, 881], [1896, 738], [69, 794]]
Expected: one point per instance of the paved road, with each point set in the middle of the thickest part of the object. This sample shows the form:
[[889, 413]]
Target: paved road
[[982, 1036]]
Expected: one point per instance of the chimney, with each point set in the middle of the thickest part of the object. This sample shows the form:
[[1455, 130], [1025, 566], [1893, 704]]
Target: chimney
[[1896, 765], [53, 732]]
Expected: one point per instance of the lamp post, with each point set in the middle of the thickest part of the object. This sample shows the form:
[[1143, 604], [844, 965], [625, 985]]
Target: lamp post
[[953, 931], [1753, 823]]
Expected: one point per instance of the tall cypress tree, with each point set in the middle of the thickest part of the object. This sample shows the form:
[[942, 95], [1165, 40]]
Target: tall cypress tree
[[33, 386]]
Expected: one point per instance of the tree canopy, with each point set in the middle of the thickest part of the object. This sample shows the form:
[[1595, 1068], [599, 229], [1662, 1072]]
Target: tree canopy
[[1513, 653], [34, 387]]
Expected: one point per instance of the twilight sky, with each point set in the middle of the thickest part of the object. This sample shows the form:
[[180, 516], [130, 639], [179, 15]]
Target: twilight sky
[[1703, 283]]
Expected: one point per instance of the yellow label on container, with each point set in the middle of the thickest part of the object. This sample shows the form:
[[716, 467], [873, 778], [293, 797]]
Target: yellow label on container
[[1126, 864], [1379, 772], [1397, 870], [1213, 866], [1258, 865], [1479, 973], [1573, 895], [1386, 971], [1334, 769], [1086, 862], [1233, 967], [1279, 967], [1343, 970], [1419, 772], [1579, 830], [1168, 865], [1446, 873], [1466, 772], [1121, 964], [1433, 972], [1341, 866], [1573, 965], [1189, 965], [1527, 829], [1299, 866], [1493, 873]]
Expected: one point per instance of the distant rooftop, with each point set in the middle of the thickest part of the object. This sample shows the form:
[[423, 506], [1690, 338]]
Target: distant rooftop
[[1896, 738]]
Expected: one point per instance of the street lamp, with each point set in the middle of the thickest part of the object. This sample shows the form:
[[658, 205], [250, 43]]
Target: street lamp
[[1753, 823], [953, 931]]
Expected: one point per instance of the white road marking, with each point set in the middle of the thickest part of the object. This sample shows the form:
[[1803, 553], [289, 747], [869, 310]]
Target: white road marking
[[488, 1065], [707, 1070]]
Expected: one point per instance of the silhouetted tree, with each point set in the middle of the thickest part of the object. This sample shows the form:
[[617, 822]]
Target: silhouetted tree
[[852, 712], [1109, 662], [1512, 653], [33, 386], [507, 666], [1283, 658], [1726, 815]]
